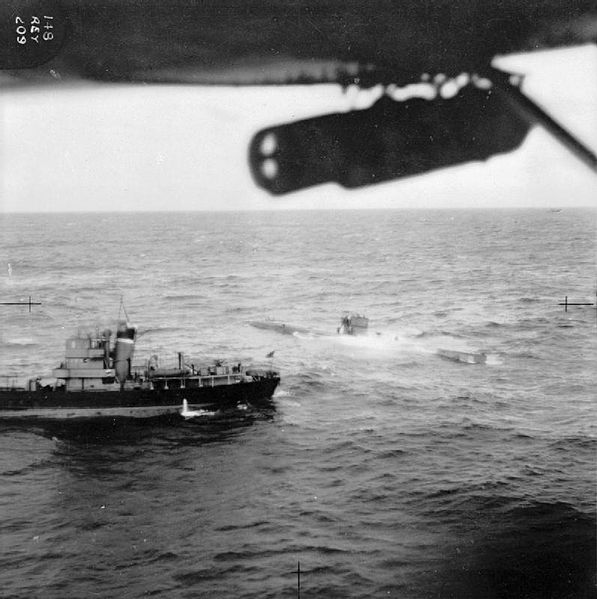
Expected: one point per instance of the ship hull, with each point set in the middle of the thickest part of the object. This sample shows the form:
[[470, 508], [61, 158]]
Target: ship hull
[[30, 406]]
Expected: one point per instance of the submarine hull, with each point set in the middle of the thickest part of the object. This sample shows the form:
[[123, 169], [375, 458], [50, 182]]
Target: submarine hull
[[462, 356], [279, 327]]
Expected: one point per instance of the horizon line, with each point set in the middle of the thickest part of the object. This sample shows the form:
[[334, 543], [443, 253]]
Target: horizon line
[[310, 209]]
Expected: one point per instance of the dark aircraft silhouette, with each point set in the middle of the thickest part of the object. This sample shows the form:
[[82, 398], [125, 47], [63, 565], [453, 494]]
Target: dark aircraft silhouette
[[365, 43]]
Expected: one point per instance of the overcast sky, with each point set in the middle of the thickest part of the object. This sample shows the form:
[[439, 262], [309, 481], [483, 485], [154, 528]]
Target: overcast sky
[[143, 147]]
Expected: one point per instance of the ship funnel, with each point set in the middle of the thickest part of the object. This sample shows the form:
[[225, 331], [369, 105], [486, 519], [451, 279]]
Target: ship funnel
[[123, 350]]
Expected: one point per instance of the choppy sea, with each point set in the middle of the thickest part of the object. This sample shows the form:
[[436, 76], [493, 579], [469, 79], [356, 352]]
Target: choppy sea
[[384, 469]]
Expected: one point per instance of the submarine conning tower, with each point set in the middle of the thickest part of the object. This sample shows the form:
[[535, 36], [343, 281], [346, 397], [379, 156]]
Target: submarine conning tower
[[123, 350], [353, 324]]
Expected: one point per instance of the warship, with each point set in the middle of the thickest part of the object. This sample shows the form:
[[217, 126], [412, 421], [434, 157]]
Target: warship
[[97, 380]]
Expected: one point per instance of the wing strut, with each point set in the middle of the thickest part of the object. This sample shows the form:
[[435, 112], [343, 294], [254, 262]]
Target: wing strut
[[533, 113]]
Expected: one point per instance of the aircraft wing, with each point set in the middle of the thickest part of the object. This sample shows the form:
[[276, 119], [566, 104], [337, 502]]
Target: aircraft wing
[[277, 41], [350, 42]]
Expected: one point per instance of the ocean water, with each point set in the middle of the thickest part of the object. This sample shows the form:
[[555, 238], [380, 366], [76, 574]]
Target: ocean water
[[384, 469]]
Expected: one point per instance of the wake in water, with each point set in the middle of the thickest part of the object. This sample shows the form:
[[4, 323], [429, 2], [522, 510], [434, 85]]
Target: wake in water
[[447, 347], [188, 413]]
